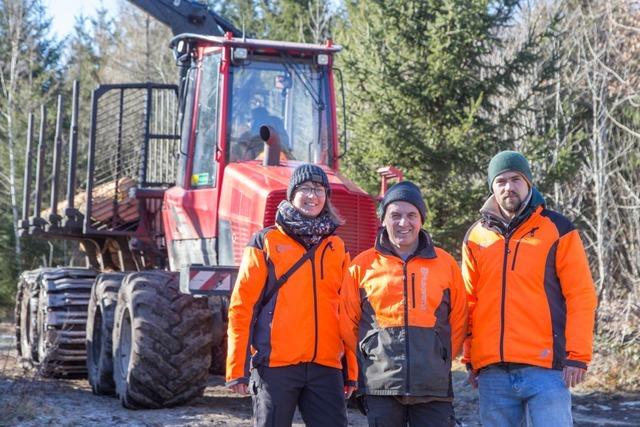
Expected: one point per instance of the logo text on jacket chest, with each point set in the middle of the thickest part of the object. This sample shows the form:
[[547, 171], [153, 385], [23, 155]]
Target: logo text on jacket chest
[[424, 273]]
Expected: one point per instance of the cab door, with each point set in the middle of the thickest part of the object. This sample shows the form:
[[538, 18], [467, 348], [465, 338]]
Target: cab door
[[190, 208]]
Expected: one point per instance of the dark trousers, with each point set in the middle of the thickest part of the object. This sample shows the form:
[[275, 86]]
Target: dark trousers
[[317, 390], [387, 411]]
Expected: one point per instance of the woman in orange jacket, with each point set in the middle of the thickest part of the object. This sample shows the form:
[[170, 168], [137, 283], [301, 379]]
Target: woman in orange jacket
[[284, 344]]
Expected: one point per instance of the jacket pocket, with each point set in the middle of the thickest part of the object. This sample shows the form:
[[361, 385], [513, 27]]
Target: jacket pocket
[[413, 290], [383, 359], [529, 233], [329, 245], [430, 363]]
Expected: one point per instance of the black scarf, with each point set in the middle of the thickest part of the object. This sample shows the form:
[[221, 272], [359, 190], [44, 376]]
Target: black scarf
[[306, 230]]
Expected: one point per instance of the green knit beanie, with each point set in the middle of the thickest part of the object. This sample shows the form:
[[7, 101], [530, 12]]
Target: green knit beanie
[[506, 161]]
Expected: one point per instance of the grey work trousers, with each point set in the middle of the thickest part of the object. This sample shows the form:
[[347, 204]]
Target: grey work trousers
[[317, 390]]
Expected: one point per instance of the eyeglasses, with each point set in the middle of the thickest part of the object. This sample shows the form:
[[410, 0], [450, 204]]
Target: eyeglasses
[[308, 191]]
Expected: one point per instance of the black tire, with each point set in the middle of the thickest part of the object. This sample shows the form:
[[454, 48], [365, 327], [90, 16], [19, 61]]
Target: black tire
[[102, 306], [61, 320], [161, 342]]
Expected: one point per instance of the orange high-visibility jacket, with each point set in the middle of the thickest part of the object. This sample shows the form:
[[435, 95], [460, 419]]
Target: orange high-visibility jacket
[[300, 323], [531, 296], [407, 319]]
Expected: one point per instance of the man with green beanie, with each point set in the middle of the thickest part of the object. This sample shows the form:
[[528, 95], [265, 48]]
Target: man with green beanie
[[531, 302]]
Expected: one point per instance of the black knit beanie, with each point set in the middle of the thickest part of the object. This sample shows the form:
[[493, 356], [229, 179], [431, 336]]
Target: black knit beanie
[[304, 173], [506, 161], [404, 191]]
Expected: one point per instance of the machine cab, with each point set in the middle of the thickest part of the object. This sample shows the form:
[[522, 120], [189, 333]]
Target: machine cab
[[292, 98], [231, 88], [235, 86]]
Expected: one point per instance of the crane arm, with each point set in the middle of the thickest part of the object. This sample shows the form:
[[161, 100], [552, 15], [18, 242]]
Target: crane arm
[[185, 16]]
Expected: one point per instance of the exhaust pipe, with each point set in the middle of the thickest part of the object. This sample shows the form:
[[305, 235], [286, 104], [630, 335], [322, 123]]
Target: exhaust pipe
[[271, 146]]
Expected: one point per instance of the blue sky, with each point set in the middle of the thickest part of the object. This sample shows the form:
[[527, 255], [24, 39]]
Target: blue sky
[[63, 12]]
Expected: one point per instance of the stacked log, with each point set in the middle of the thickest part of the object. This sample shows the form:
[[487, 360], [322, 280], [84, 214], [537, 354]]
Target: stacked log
[[113, 202]]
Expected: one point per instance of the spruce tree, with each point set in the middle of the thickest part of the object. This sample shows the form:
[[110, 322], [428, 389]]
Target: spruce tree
[[420, 89]]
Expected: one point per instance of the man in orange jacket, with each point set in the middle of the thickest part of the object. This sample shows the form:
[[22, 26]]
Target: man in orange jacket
[[403, 310], [531, 302]]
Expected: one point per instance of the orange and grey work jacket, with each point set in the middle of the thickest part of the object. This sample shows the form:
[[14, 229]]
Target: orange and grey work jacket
[[300, 322], [407, 318], [531, 296]]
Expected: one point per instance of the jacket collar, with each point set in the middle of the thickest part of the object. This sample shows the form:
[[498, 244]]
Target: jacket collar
[[492, 215], [425, 248]]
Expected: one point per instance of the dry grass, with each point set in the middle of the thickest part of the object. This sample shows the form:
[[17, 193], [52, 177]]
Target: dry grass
[[616, 362], [615, 367]]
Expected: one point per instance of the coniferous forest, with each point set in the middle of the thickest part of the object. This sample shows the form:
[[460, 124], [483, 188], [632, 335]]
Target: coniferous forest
[[435, 88]]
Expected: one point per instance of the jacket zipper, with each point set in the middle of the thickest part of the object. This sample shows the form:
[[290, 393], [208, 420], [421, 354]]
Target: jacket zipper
[[529, 233], [413, 290], [315, 310], [504, 294], [327, 246], [406, 327]]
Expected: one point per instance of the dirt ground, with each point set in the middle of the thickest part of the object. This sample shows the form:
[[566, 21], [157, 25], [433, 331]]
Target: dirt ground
[[30, 402]]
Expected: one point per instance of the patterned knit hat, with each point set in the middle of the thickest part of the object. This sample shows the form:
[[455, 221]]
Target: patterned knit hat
[[304, 173], [404, 191]]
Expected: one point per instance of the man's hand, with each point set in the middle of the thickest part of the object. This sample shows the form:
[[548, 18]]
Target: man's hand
[[472, 377], [239, 388], [573, 375], [348, 391]]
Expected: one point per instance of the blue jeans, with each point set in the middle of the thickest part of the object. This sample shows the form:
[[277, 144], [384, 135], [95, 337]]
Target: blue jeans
[[508, 393]]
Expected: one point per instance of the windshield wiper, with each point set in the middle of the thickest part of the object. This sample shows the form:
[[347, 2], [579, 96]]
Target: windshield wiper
[[295, 68]]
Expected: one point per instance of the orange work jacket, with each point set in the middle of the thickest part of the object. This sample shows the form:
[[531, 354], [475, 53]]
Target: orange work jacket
[[300, 322], [531, 296], [406, 319]]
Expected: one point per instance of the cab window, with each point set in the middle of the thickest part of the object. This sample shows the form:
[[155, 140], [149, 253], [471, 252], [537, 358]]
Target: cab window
[[291, 96], [203, 172]]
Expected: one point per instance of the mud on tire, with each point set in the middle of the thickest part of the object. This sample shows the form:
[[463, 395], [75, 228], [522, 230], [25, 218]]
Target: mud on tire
[[25, 316], [17, 310], [161, 342], [102, 306]]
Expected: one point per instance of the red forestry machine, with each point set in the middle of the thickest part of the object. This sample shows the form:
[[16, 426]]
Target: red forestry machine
[[178, 179]]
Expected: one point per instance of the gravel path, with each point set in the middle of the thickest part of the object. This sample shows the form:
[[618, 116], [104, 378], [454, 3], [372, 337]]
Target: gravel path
[[28, 401]]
